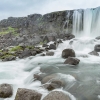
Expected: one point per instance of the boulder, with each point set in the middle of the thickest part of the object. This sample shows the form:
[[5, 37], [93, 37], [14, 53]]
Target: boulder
[[57, 95], [72, 61], [8, 58], [49, 53], [44, 45], [48, 78], [38, 50], [5, 91], [42, 54], [94, 53], [59, 41], [25, 53], [39, 76], [27, 94], [68, 53], [97, 48], [33, 53], [52, 46], [54, 84], [69, 36]]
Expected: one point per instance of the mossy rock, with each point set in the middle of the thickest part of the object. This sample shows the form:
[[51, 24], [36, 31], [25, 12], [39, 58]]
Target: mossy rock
[[8, 57]]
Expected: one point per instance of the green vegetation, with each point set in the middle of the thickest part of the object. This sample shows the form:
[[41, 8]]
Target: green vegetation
[[44, 42], [6, 56], [30, 47], [16, 48], [9, 30]]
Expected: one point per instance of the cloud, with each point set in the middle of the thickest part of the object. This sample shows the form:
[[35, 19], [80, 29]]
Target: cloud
[[25, 7]]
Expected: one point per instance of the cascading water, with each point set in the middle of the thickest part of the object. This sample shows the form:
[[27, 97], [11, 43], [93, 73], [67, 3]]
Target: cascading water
[[77, 22], [86, 22]]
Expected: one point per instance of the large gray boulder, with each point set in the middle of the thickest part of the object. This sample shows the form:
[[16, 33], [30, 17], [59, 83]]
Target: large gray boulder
[[57, 95], [72, 61], [68, 53], [26, 94], [5, 91], [52, 46]]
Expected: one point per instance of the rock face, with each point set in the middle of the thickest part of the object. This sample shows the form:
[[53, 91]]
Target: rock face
[[72, 61], [97, 48], [26, 94], [68, 53], [57, 95], [5, 91], [94, 53]]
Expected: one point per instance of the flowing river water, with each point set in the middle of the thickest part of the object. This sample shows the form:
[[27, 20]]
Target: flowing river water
[[82, 81]]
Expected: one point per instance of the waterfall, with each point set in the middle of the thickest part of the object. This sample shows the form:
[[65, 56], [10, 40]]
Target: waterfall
[[86, 22], [77, 22]]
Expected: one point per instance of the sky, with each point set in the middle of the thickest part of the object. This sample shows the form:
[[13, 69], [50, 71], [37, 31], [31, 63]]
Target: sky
[[19, 8]]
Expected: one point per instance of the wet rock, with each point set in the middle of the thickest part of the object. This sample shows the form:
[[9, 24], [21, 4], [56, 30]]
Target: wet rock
[[71, 42], [94, 53], [44, 45], [49, 53], [52, 46], [48, 78], [54, 84], [26, 94], [39, 76], [59, 41], [69, 36], [8, 58], [72, 61], [5, 91], [68, 53], [42, 54], [97, 48], [56, 95]]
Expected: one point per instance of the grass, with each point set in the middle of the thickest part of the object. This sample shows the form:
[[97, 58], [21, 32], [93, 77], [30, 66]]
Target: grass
[[16, 48], [8, 30], [6, 56]]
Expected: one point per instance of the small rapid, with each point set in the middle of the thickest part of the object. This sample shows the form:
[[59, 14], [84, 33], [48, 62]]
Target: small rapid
[[83, 80]]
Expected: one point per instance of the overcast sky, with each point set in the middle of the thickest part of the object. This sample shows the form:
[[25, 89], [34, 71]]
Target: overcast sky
[[17, 8]]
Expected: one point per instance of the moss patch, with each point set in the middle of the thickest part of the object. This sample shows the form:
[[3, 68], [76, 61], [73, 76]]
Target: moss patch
[[6, 56], [9, 30], [16, 48]]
